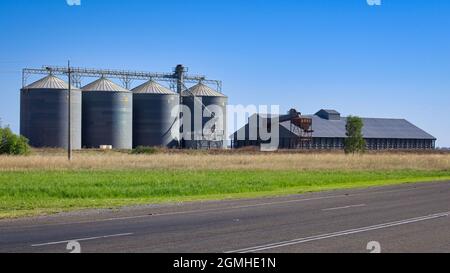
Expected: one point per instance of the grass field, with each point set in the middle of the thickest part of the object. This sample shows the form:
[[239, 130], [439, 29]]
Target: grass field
[[226, 160], [43, 184]]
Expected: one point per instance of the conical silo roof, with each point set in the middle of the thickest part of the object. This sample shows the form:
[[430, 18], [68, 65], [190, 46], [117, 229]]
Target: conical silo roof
[[104, 84], [202, 90], [152, 87], [49, 82]]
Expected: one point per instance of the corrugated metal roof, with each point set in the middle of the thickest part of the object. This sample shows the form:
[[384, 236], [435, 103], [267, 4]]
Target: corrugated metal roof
[[329, 114], [373, 128], [49, 82], [202, 90], [152, 87], [329, 111], [104, 84]]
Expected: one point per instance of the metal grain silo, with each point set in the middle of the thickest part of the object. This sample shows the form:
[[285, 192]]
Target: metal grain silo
[[107, 115], [155, 116], [207, 110], [44, 113]]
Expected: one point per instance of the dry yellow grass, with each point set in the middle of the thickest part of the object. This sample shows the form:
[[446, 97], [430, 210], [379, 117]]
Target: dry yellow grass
[[226, 161]]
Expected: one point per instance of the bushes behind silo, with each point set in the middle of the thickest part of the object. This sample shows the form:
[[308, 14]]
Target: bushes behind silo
[[12, 144]]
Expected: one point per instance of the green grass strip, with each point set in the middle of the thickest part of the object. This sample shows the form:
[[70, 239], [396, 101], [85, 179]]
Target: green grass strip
[[41, 192]]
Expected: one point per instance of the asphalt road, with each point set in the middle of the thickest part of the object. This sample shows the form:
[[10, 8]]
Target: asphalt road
[[405, 218]]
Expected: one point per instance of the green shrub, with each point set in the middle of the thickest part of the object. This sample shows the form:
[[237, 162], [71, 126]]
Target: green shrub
[[354, 143], [12, 144], [144, 150]]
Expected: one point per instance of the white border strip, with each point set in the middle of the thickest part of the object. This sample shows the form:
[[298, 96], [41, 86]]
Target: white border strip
[[83, 239], [340, 233], [346, 207]]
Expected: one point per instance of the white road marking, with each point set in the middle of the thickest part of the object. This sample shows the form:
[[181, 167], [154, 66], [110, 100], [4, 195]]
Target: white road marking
[[340, 233], [83, 239], [346, 207]]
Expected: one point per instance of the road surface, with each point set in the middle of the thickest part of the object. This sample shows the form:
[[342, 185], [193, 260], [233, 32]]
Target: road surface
[[404, 218]]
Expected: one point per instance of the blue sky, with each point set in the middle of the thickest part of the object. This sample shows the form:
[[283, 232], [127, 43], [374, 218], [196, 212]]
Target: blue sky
[[387, 61]]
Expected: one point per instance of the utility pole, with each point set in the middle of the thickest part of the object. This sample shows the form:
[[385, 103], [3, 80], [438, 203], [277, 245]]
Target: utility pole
[[69, 136], [179, 75]]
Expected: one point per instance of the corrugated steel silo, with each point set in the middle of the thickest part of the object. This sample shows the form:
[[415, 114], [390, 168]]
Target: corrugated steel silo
[[44, 113], [155, 116], [107, 115], [202, 99]]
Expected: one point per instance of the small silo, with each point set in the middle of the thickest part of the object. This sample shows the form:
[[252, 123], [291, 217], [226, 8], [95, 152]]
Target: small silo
[[207, 110], [155, 116], [44, 108], [107, 115]]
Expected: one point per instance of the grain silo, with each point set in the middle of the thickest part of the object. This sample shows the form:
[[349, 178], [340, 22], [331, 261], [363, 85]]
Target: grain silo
[[155, 116], [44, 112], [206, 126], [107, 115]]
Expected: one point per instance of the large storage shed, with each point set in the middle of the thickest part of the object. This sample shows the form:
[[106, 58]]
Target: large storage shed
[[329, 133]]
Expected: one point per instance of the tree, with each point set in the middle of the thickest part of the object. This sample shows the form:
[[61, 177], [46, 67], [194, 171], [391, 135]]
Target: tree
[[354, 143], [12, 144]]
